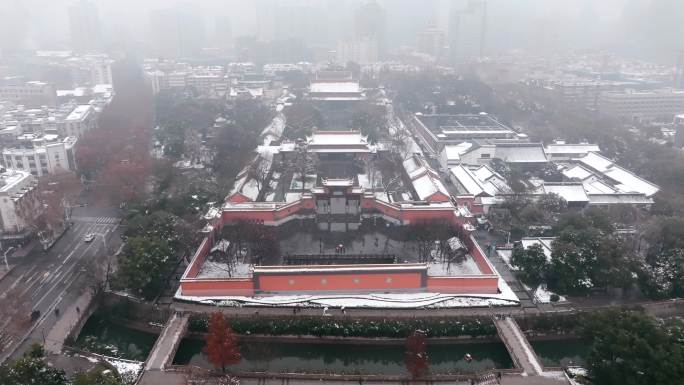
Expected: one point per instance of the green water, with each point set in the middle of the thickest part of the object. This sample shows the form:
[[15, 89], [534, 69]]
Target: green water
[[561, 352], [345, 358], [103, 337]]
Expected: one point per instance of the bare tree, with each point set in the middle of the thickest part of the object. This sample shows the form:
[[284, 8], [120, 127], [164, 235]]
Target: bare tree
[[259, 171], [304, 162]]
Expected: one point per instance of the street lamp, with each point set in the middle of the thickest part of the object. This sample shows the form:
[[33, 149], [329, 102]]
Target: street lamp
[[5, 255]]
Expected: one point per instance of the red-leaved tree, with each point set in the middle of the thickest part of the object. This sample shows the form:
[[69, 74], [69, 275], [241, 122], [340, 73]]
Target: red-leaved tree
[[416, 358], [222, 347]]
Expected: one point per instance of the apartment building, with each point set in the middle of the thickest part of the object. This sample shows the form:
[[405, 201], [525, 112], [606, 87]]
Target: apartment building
[[661, 104], [41, 155], [18, 202]]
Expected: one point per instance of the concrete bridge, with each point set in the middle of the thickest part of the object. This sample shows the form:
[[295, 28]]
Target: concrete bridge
[[517, 345], [165, 348]]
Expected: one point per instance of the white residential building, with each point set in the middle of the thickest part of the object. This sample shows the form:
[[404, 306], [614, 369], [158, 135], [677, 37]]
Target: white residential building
[[30, 93], [82, 119], [17, 201], [40, 156]]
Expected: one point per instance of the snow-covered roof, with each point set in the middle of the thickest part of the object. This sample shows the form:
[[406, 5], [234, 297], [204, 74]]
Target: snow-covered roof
[[571, 192], [416, 166], [570, 149], [521, 152], [338, 141], [427, 186], [79, 112], [335, 87], [454, 151], [577, 172], [466, 178], [483, 173], [482, 181], [595, 161], [632, 199], [596, 186], [625, 181]]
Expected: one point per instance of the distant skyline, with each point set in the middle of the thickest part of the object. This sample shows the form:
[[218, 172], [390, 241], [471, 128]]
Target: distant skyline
[[627, 26]]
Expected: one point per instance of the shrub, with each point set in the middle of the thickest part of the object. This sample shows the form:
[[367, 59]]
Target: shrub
[[440, 327]]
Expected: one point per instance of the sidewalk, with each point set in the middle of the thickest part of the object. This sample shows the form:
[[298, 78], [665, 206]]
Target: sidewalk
[[4, 271], [66, 323]]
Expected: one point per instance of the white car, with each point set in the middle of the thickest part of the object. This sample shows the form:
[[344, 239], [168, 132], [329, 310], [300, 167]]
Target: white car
[[89, 237]]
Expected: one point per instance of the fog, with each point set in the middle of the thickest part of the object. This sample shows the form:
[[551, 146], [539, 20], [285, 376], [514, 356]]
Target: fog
[[648, 29]]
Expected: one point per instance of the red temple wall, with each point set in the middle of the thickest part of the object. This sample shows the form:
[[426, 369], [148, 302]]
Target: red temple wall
[[228, 286], [463, 285], [340, 282]]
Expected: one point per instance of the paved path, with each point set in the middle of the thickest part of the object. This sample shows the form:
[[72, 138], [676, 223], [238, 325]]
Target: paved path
[[163, 378], [517, 345], [167, 343], [72, 315]]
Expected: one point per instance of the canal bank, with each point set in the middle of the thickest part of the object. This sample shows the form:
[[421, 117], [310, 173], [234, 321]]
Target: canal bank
[[336, 350], [321, 355]]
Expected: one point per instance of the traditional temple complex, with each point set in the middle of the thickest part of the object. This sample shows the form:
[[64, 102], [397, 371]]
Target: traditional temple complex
[[340, 224]]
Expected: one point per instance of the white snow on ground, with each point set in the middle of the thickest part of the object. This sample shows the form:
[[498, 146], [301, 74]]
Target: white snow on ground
[[506, 255], [543, 295], [372, 300], [127, 369], [213, 269], [292, 197]]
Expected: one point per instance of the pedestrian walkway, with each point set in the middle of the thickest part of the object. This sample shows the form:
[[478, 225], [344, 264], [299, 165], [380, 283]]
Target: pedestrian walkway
[[167, 343], [67, 322], [517, 346], [98, 220]]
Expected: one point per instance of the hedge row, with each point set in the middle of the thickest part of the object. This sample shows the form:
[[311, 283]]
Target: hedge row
[[445, 327]]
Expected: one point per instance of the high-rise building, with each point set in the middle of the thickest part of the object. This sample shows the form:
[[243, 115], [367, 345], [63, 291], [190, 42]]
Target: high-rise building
[[223, 31], [362, 51], [370, 23], [84, 26], [467, 29], [176, 32], [431, 42]]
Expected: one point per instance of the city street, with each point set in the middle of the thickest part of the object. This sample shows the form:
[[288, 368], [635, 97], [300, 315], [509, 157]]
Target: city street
[[49, 281]]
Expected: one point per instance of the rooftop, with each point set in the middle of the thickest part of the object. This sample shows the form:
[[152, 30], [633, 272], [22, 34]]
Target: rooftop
[[79, 112], [624, 180], [338, 141], [521, 152], [563, 148], [348, 87], [10, 179]]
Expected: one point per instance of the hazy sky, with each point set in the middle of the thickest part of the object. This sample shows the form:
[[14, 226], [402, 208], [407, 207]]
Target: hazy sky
[[651, 27]]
